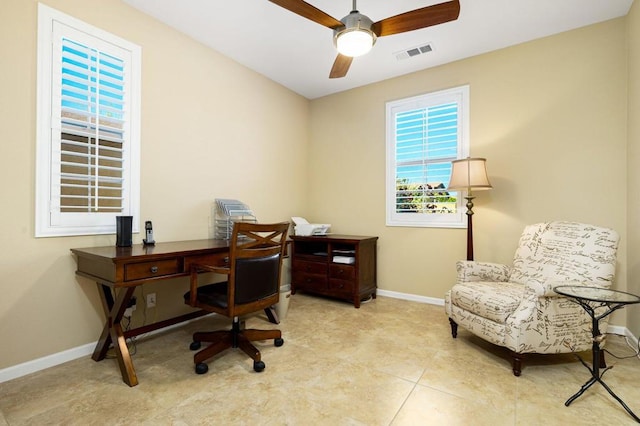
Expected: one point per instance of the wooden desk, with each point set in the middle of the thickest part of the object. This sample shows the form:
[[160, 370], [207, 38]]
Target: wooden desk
[[125, 268]]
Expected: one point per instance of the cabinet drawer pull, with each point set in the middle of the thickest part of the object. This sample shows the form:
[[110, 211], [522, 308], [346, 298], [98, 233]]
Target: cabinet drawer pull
[[154, 269]]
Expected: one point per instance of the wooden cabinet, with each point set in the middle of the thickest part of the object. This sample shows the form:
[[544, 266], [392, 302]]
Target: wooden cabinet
[[340, 266]]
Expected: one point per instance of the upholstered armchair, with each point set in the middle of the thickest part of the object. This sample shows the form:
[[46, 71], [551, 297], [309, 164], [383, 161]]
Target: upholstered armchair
[[516, 307]]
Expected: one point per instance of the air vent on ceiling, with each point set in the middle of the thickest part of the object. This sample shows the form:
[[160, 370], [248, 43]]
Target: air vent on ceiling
[[414, 51]]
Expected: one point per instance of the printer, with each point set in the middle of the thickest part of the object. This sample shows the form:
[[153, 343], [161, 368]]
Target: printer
[[303, 228]]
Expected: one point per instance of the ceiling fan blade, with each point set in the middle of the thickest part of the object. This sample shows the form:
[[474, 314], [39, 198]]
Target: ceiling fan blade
[[308, 11], [340, 66], [419, 18]]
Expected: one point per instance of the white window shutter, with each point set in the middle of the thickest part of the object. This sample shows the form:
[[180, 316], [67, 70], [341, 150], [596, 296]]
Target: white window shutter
[[90, 173], [424, 134]]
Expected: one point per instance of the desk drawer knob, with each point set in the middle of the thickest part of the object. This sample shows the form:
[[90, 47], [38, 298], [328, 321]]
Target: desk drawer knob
[[154, 269]]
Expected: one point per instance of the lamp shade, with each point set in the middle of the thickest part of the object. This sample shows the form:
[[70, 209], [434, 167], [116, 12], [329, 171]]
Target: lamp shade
[[468, 174]]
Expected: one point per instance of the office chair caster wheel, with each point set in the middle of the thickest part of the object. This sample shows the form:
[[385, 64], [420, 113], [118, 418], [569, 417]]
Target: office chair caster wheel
[[201, 368], [278, 342], [194, 346], [258, 366]]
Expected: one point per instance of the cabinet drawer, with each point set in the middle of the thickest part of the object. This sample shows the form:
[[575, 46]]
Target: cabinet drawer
[[343, 272], [342, 286], [309, 281], [309, 267], [142, 270]]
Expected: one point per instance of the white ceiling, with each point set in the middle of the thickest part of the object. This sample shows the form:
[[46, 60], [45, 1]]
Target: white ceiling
[[299, 53]]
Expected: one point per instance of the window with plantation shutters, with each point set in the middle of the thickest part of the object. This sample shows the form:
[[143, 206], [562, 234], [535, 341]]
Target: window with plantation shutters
[[424, 134], [88, 132]]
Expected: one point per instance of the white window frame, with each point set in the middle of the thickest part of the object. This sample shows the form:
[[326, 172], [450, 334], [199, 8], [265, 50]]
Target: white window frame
[[460, 95], [49, 220]]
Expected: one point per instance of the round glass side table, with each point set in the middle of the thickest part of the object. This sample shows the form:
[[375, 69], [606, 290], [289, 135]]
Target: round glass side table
[[592, 299]]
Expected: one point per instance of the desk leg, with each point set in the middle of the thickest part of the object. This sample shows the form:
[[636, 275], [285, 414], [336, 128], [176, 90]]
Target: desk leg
[[100, 352], [113, 334]]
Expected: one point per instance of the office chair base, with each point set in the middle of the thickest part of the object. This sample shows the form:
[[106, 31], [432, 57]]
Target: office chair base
[[234, 338]]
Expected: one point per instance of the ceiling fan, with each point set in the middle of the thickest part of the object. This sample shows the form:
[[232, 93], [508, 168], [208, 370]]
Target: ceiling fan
[[355, 34]]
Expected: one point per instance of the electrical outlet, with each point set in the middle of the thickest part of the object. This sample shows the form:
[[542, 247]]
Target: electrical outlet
[[151, 300]]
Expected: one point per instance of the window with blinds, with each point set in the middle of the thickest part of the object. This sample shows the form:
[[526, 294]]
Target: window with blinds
[[424, 134], [88, 127], [92, 131]]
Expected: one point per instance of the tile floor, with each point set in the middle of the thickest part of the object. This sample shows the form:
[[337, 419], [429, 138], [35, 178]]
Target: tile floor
[[391, 362]]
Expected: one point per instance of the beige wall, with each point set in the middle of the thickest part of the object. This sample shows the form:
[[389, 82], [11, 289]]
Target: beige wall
[[549, 116], [210, 128], [633, 183]]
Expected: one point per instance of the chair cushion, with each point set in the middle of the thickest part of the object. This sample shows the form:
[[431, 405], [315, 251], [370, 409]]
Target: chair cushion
[[491, 300], [211, 294]]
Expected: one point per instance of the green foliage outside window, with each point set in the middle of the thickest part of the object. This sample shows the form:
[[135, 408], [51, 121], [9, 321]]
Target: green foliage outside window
[[423, 198]]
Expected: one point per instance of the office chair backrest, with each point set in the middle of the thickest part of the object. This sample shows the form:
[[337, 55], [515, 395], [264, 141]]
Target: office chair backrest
[[256, 262], [256, 278]]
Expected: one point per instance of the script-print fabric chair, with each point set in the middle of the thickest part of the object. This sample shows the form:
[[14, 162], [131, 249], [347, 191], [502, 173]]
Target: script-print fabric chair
[[516, 307], [253, 284]]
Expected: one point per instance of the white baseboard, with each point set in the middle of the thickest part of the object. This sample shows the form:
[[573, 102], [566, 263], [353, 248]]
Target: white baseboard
[[411, 297], [52, 360], [45, 362], [78, 352]]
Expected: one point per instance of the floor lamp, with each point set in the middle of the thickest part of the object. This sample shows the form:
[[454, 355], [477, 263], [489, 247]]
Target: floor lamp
[[467, 175]]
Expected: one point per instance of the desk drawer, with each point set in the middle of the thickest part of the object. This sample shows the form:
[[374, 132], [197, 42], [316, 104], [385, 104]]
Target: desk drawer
[[309, 281], [142, 270], [342, 272], [309, 267], [341, 286]]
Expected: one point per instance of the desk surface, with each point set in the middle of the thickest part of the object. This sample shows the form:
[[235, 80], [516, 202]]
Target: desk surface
[[128, 254]]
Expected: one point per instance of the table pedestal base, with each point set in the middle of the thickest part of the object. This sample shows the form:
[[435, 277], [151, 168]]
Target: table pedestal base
[[593, 380]]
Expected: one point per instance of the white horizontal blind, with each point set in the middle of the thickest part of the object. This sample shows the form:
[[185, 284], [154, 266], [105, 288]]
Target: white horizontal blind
[[424, 134], [91, 169], [426, 143]]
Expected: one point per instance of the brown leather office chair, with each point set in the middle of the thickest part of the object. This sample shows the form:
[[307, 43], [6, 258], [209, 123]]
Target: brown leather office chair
[[253, 283]]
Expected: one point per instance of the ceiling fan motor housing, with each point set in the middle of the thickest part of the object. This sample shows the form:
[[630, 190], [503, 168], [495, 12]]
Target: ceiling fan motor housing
[[355, 23]]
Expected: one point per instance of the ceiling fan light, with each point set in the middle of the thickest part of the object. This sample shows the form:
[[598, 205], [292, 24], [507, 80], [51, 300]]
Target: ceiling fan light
[[354, 42]]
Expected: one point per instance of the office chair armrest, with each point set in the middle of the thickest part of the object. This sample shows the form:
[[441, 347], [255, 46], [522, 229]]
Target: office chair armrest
[[193, 278]]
